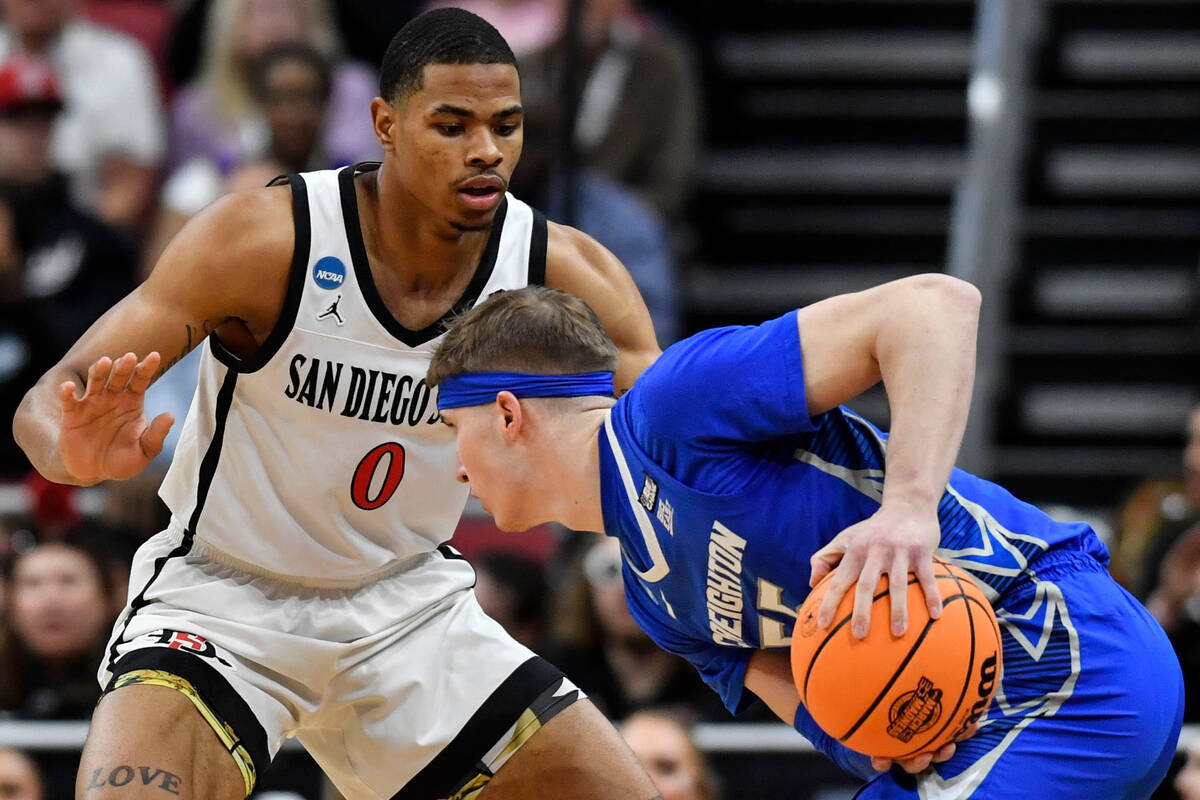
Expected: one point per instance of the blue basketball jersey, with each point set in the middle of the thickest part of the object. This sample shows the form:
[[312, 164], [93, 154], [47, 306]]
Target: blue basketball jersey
[[721, 487]]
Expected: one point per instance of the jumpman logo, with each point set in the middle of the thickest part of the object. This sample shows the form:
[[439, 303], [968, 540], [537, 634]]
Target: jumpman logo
[[333, 309]]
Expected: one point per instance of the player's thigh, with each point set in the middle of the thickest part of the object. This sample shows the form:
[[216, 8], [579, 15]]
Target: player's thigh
[[152, 742], [577, 755]]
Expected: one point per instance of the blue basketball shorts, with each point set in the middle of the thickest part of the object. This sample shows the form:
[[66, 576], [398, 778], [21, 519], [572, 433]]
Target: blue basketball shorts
[[1089, 705]]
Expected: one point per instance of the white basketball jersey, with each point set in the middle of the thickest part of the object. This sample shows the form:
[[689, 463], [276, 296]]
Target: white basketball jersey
[[321, 456]]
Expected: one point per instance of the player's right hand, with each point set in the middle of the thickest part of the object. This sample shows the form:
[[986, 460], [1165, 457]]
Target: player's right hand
[[104, 434]]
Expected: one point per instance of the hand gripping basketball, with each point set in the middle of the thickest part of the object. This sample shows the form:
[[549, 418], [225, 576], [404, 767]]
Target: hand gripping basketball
[[893, 696]]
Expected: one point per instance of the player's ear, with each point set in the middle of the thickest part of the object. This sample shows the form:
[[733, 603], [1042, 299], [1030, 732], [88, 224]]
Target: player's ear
[[384, 118], [510, 414]]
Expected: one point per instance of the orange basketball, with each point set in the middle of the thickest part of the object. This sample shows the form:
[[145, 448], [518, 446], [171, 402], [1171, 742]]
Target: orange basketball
[[898, 696]]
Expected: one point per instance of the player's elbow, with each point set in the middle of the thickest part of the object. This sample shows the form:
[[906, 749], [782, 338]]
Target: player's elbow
[[947, 296], [23, 428], [31, 437]]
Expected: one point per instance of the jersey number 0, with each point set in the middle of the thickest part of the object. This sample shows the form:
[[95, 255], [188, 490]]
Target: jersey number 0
[[364, 476]]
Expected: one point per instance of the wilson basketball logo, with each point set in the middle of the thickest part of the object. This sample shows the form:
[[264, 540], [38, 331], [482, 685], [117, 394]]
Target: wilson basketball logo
[[984, 691], [916, 711]]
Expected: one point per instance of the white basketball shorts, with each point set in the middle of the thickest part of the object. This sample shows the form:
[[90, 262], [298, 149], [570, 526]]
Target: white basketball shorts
[[400, 688]]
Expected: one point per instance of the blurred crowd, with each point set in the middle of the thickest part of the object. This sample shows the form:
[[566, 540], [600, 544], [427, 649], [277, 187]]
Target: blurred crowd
[[120, 119]]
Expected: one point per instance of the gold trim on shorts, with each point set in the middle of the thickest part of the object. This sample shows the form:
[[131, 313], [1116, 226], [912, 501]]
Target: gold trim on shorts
[[229, 739], [554, 699]]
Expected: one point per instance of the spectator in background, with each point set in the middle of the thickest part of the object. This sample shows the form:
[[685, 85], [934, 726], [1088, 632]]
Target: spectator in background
[[527, 25], [218, 116], [60, 612], [1154, 516], [512, 590], [19, 776], [1187, 782], [291, 83], [59, 268], [598, 643], [665, 747], [613, 215], [639, 112], [1175, 603], [110, 140]]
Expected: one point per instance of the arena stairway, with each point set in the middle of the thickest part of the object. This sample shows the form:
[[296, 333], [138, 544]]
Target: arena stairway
[[1102, 346], [836, 133]]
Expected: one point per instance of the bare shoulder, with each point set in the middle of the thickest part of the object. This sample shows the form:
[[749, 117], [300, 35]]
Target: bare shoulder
[[574, 258], [232, 259], [578, 264], [237, 230]]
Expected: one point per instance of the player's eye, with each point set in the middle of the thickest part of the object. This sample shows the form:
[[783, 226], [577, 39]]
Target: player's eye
[[449, 129], [507, 129]]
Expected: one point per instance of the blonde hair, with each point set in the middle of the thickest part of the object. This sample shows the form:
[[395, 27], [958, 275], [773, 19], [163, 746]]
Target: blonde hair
[[534, 329], [227, 80]]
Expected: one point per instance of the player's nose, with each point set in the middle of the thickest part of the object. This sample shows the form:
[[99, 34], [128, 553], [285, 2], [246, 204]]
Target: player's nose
[[460, 472], [484, 151]]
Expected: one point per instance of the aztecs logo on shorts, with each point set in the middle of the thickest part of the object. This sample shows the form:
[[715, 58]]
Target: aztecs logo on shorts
[[192, 643], [916, 711]]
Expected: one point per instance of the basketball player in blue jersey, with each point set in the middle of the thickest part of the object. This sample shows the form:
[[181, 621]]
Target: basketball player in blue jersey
[[735, 480], [300, 589]]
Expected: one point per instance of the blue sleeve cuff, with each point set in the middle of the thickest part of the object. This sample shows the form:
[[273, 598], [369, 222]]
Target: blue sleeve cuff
[[850, 761]]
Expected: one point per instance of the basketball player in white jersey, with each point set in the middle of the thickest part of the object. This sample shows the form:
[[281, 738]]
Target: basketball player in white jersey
[[300, 588]]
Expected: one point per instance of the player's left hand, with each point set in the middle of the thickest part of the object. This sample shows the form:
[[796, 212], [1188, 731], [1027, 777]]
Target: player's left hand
[[897, 540]]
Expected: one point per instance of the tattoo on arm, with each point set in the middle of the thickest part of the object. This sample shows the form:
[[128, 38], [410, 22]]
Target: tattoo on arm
[[126, 775], [194, 337], [187, 349]]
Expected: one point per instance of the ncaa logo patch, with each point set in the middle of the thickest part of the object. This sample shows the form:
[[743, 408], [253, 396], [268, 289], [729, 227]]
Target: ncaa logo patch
[[329, 272]]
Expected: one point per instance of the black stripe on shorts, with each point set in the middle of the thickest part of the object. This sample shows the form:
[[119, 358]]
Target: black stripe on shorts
[[213, 689], [460, 759]]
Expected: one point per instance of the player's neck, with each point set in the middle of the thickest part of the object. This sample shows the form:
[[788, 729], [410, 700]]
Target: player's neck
[[576, 496], [400, 236]]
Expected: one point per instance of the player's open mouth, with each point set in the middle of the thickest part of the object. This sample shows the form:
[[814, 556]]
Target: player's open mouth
[[482, 193]]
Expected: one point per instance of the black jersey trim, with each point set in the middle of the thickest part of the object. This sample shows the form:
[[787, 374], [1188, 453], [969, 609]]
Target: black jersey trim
[[537, 250], [443, 775], [230, 707], [450, 553], [362, 268], [208, 468], [182, 549], [295, 288]]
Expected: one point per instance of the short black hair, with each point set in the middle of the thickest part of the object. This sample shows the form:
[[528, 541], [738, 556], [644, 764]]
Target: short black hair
[[441, 36]]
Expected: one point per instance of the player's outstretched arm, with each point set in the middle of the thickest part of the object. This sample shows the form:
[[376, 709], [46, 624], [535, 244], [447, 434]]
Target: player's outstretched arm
[[578, 264], [84, 421], [918, 335]]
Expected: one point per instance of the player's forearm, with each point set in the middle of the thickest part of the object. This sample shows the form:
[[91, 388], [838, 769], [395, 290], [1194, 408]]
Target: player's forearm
[[926, 354], [37, 423]]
